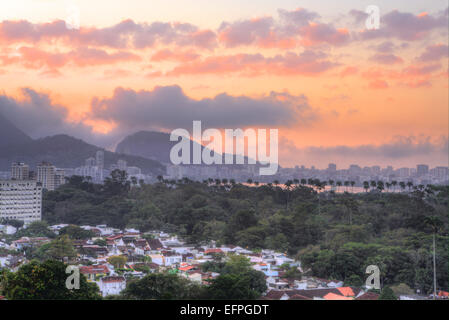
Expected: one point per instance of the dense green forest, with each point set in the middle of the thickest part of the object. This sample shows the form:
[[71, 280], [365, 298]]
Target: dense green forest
[[335, 235]]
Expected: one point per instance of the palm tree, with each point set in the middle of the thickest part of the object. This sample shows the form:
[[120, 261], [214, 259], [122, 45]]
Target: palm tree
[[388, 184], [249, 181], [394, 183], [352, 186], [331, 183], [434, 223], [366, 185], [303, 181], [409, 185], [373, 184], [338, 185], [380, 186], [160, 178], [288, 185], [402, 185], [346, 185], [276, 182]]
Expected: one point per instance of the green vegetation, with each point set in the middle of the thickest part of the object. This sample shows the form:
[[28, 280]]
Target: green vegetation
[[335, 235], [236, 281], [44, 281]]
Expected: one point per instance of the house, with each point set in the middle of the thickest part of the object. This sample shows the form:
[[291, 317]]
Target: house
[[29, 242], [111, 285], [214, 250], [155, 245], [367, 296], [7, 229], [157, 259], [170, 260], [93, 273], [344, 293]]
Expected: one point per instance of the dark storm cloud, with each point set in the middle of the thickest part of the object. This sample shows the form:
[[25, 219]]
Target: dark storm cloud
[[38, 116], [169, 108]]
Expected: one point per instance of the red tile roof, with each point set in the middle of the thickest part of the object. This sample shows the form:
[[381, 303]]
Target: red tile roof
[[207, 251], [112, 279], [94, 269], [368, 296], [333, 296], [346, 291]]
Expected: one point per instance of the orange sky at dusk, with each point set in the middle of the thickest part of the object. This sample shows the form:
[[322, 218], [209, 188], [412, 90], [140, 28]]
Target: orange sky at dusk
[[333, 82]]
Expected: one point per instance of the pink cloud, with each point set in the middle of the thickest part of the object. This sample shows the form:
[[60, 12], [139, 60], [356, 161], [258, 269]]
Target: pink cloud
[[386, 58], [434, 53], [307, 63], [406, 26], [319, 33], [378, 84], [348, 71], [169, 55], [35, 58]]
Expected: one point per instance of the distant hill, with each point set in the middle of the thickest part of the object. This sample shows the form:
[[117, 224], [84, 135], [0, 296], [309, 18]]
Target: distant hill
[[157, 146], [147, 144], [65, 151], [10, 134]]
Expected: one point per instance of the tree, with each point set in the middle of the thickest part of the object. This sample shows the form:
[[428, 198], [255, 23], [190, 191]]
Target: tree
[[247, 286], [434, 223], [387, 294], [76, 233], [61, 249], [339, 183], [366, 186], [117, 261], [12, 222], [36, 229], [45, 281], [163, 286]]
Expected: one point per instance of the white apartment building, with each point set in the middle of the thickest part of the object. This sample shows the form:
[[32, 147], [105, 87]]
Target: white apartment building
[[20, 171], [49, 176], [21, 200]]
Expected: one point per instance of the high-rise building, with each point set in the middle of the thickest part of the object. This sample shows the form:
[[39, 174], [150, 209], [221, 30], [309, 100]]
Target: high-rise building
[[375, 169], [332, 167], [90, 162], [354, 169], [422, 169], [404, 172], [122, 165], [20, 171], [99, 157], [441, 172], [100, 165], [20, 200], [49, 176], [59, 177]]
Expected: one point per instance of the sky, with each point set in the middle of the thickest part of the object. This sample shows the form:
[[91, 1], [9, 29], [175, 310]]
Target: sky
[[337, 91]]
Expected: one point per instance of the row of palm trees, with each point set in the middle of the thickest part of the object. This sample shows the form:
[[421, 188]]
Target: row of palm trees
[[317, 184]]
